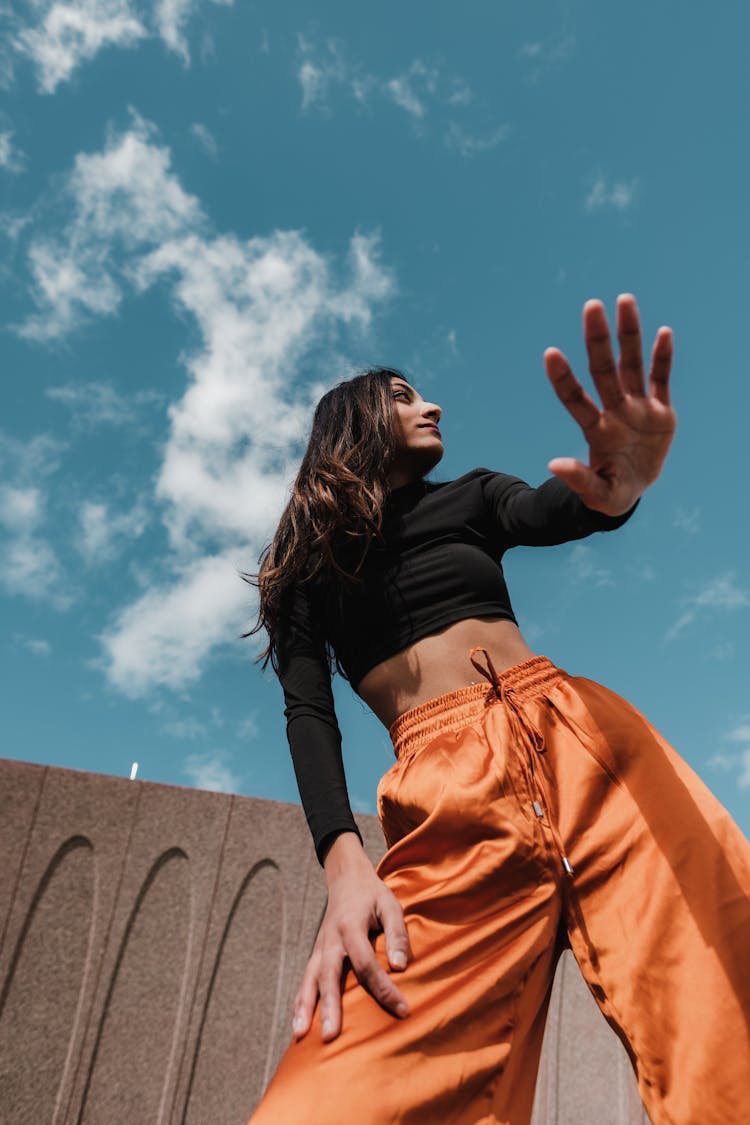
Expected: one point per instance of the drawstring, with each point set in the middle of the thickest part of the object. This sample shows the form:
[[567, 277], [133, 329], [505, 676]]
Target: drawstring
[[526, 735]]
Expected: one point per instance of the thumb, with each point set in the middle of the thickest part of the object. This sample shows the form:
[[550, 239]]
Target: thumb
[[582, 480]]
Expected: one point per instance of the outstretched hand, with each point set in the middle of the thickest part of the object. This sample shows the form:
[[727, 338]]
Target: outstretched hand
[[630, 436]]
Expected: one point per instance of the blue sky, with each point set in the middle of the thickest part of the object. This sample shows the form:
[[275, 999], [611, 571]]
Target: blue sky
[[212, 211]]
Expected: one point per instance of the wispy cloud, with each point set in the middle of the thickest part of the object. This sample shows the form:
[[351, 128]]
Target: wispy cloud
[[248, 729], [319, 69], [38, 646], [468, 144], [688, 521], [121, 199], [185, 729], [583, 569], [720, 594], [544, 56], [65, 34], [420, 90], [59, 36], [205, 139], [411, 89], [29, 565], [102, 533], [171, 18], [617, 196], [212, 771], [96, 404], [736, 761], [11, 157]]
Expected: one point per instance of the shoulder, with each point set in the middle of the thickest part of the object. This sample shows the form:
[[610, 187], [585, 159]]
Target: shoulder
[[488, 482]]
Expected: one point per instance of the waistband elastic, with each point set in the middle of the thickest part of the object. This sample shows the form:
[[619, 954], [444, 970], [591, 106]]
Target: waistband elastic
[[453, 710]]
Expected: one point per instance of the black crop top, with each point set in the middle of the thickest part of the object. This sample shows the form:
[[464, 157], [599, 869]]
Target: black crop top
[[438, 562]]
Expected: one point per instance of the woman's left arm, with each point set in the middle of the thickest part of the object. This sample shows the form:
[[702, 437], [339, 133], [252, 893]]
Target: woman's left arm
[[629, 437]]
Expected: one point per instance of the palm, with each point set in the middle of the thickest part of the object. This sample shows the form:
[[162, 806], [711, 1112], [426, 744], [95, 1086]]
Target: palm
[[630, 435]]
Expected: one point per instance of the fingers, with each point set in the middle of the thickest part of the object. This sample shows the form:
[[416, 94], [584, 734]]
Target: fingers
[[570, 392], [601, 360], [306, 999], [330, 983], [631, 345], [397, 944], [325, 975], [612, 381], [661, 364]]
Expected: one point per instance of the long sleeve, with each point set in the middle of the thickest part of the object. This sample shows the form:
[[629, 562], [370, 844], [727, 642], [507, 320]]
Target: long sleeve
[[312, 728], [544, 516]]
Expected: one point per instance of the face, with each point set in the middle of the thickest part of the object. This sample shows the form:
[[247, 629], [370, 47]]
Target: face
[[419, 445]]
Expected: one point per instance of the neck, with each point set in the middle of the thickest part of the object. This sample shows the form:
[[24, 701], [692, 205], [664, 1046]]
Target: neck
[[400, 477]]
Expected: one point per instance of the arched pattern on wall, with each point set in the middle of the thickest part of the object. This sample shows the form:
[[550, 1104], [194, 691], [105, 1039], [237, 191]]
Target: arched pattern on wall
[[40, 998]]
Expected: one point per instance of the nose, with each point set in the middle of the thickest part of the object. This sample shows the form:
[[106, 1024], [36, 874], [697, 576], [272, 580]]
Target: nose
[[432, 410]]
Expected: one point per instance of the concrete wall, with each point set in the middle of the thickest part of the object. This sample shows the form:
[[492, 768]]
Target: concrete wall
[[151, 941]]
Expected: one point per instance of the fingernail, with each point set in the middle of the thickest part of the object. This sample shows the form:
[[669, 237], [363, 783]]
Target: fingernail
[[402, 1009], [398, 959], [327, 1027], [298, 1025]]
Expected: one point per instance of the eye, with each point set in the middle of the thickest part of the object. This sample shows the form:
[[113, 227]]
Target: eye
[[401, 394]]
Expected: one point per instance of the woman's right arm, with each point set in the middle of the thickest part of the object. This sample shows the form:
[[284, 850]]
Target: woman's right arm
[[359, 903]]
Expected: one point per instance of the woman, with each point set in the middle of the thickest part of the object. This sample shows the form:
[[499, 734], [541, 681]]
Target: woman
[[528, 809]]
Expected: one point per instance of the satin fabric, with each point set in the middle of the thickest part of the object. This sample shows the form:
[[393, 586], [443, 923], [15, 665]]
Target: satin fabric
[[530, 811]]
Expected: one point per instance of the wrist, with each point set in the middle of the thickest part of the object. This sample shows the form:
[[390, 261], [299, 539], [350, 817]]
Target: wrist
[[343, 854]]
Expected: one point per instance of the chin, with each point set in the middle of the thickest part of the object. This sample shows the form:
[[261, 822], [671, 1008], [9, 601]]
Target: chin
[[429, 458]]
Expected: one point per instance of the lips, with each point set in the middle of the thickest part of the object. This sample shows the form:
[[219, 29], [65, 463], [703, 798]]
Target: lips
[[429, 426]]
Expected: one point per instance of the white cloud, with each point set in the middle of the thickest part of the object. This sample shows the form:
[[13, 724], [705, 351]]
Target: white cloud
[[584, 570], [11, 158], [248, 728], [317, 75], [544, 56], [102, 534], [736, 761], [70, 33], [185, 729], [205, 139], [234, 433], [688, 521], [38, 646], [261, 306], [29, 566], [171, 18], [13, 225], [323, 67], [20, 508], [99, 403], [468, 144], [744, 778], [409, 90], [619, 196], [123, 198], [59, 36], [721, 593], [211, 771], [163, 638]]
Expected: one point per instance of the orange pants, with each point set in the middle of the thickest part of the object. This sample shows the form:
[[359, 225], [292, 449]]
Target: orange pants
[[541, 811]]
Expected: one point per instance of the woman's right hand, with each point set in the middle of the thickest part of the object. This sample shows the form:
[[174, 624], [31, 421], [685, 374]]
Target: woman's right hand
[[359, 903]]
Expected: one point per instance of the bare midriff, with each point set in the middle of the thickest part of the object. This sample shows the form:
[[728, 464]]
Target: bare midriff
[[438, 664]]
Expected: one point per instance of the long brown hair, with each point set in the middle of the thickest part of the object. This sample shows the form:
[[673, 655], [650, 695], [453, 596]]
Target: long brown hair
[[336, 507]]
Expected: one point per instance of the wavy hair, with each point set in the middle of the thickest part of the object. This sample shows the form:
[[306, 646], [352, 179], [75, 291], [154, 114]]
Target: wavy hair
[[336, 507]]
